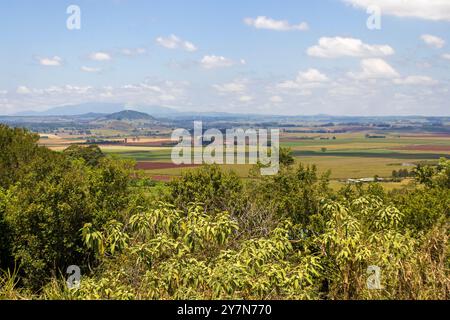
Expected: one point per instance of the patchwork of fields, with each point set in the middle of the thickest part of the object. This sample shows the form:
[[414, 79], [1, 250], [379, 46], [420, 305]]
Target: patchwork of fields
[[349, 155]]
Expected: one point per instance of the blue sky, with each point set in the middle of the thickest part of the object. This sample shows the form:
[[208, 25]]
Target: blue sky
[[253, 56]]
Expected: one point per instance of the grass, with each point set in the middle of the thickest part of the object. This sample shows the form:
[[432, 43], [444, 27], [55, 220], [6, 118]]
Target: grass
[[155, 154]]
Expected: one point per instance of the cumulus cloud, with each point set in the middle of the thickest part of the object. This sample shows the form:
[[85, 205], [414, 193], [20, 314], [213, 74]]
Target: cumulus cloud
[[237, 86], [246, 98], [145, 93], [131, 52], [433, 41], [23, 90], [213, 62], [100, 56], [276, 99], [446, 56], [415, 80], [375, 69], [90, 69], [263, 22], [174, 42], [50, 62], [311, 78], [436, 10], [341, 47], [312, 75]]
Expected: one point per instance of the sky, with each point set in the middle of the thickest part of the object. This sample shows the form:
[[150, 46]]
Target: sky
[[287, 57]]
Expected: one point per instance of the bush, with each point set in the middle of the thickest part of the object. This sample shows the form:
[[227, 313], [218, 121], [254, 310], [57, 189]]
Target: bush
[[209, 185], [42, 213], [17, 147], [91, 154]]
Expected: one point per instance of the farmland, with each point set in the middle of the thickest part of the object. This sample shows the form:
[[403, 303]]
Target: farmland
[[352, 154]]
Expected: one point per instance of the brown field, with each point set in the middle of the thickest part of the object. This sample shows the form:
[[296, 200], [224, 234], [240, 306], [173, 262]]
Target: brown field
[[161, 165], [425, 135]]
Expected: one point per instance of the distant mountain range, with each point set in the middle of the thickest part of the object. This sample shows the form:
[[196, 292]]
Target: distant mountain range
[[98, 108]]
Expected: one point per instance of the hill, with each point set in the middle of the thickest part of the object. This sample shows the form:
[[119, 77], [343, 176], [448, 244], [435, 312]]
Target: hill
[[128, 115]]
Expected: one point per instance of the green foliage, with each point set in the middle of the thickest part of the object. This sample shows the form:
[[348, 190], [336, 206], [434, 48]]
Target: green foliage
[[286, 236], [45, 212], [41, 214], [9, 283], [209, 185], [91, 154], [294, 193], [5, 236], [17, 147], [189, 256], [438, 176], [285, 157], [108, 187]]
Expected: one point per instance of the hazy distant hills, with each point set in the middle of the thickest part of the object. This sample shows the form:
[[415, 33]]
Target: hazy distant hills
[[98, 108]]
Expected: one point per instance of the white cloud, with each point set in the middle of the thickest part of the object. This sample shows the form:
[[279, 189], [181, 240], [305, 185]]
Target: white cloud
[[50, 62], [311, 78], [174, 42], [312, 75], [263, 22], [424, 9], [164, 93], [276, 99], [133, 52], [100, 56], [167, 97], [340, 47], [433, 41], [212, 62], [150, 87], [237, 86], [344, 89], [66, 89], [415, 80], [446, 56], [23, 90], [246, 98], [90, 70], [375, 69]]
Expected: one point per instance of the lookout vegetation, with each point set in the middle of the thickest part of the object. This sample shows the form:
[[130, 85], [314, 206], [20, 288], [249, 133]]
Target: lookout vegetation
[[210, 234]]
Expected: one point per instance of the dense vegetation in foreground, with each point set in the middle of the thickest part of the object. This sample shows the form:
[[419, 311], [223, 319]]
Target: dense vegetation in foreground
[[211, 235]]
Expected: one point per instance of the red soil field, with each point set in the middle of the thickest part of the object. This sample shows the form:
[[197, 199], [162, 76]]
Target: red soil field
[[161, 165]]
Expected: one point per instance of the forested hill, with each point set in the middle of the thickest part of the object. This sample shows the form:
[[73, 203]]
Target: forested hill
[[129, 115]]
